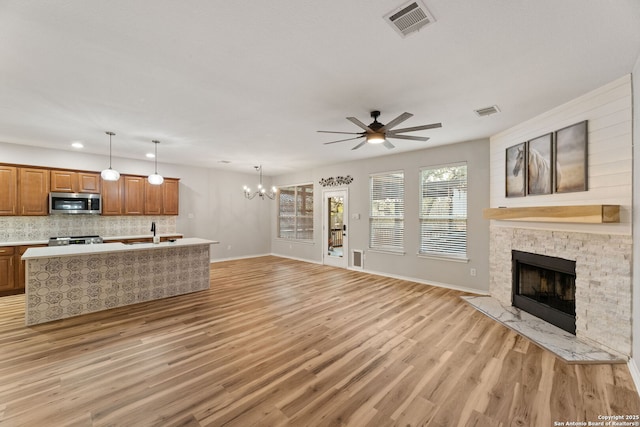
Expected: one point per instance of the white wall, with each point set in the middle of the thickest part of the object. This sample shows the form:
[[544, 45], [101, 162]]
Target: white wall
[[409, 265], [609, 112], [212, 205]]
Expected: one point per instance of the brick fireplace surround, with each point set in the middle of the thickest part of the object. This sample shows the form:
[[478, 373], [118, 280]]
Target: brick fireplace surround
[[603, 278]]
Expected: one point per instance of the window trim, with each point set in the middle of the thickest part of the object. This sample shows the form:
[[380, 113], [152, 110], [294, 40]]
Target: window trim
[[436, 255], [311, 240], [388, 249]]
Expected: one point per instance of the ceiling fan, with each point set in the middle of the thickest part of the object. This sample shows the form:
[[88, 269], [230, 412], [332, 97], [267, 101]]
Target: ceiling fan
[[377, 133]]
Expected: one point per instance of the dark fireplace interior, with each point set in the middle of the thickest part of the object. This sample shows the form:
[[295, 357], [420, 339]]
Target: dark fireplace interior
[[545, 287]]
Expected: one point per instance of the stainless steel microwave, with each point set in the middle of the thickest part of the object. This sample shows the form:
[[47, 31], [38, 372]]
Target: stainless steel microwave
[[75, 203]]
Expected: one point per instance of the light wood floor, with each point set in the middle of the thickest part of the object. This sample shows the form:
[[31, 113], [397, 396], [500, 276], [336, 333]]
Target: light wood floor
[[280, 342]]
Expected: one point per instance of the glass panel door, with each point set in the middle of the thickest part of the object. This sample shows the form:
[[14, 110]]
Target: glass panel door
[[335, 228]]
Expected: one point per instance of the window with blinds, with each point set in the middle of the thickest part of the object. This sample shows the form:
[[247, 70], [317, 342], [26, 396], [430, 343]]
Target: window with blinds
[[295, 212], [386, 211], [443, 211]]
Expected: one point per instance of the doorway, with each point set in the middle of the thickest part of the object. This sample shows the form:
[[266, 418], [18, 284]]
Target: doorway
[[334, 226]]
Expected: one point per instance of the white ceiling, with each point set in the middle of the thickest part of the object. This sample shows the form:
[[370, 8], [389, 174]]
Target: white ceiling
[[252, 82]]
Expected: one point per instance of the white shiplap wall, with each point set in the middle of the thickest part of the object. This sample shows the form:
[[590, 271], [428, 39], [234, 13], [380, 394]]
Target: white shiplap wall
[[609, 112]]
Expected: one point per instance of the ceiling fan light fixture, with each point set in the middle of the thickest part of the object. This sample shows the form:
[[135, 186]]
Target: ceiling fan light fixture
[[375, 138]]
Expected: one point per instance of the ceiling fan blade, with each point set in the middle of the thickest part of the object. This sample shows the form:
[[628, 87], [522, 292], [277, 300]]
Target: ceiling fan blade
[[346, 133], [359, 145], [412, 138], [342, 140], [395, 122], [415, 128], [359, 124], [388, 144]]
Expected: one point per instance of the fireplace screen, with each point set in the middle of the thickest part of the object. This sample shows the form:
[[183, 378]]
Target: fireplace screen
[[545, 287]]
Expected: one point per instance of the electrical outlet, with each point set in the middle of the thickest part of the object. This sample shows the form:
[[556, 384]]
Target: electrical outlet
[[228, 247], [473, 272]]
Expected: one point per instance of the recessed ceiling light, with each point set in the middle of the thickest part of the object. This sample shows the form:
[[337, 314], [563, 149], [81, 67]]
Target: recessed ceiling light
[[77, 144], [150, 155]]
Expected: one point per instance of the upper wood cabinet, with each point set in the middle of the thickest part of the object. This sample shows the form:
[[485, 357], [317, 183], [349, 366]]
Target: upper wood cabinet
[[75, 182], [33, 191], [161, 199], [170, 196], [112, 197], [134, 195], [8, 190], [25, 191], [152, 198]]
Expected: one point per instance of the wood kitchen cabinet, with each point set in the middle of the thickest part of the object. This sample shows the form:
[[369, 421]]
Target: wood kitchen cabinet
[[12, 269], [162, 199], [170, 196], [21, 266], [153, 198], [7, 269], [33, 191], [134, 195], [75, 182], [8, 190], [112, 197]]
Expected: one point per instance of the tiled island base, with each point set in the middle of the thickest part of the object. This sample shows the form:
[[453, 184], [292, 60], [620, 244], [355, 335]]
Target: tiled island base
[[563, 344], [73, 284]]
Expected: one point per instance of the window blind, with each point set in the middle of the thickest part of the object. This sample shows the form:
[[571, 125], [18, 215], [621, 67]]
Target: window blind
[[443, 211], [386, 211], [295, 212]]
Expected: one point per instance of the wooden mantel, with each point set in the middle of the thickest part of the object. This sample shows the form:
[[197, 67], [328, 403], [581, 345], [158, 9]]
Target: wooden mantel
[[587, 214]]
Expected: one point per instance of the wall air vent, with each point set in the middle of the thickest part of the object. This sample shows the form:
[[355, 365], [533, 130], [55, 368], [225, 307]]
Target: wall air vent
[[409, 17], [487, 111], [357, 261]]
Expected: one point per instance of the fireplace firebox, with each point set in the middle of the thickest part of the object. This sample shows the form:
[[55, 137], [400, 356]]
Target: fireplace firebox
[[545, 287]]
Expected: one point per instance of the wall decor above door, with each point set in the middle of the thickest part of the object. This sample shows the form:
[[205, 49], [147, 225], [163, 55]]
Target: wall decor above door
[[334, 182]]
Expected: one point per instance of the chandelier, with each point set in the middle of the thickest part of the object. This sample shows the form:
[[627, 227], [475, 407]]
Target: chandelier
[[262, 192]]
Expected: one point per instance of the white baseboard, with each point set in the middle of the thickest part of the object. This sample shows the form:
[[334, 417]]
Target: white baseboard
[[296, 259], [635, 373], [424, 282], [376, 273], [213, 261]]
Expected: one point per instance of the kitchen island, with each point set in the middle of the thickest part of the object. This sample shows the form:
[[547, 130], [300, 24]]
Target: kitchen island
[[66, 281]]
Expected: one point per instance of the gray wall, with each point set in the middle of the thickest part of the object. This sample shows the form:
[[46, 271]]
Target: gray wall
[[409, 265], [212, 205]]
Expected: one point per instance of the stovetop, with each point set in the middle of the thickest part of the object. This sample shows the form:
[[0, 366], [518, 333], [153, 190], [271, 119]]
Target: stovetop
[[75, 240]]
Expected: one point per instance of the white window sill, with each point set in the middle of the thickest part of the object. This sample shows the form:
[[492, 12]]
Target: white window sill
[[443, 258], [302, 242], [388, 252]]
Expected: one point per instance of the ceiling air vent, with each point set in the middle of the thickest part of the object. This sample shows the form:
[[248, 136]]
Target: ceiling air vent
[[487, 111], [409, 17]]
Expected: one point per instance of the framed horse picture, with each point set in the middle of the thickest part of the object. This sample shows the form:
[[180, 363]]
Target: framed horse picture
[[571, 158], [515, 170], [539, 165]]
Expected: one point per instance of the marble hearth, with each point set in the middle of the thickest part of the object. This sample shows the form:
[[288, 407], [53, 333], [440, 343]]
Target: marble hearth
[[603, 278]]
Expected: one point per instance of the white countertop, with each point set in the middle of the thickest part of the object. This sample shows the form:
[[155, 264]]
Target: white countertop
[[44, 242], [70, 250]]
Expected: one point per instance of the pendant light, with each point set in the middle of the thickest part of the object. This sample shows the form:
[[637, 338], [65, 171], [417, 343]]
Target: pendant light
[[155, 179], [110, 174]]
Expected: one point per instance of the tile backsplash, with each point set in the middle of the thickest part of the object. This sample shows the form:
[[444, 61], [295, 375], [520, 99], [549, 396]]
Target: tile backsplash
[[29, 228]]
